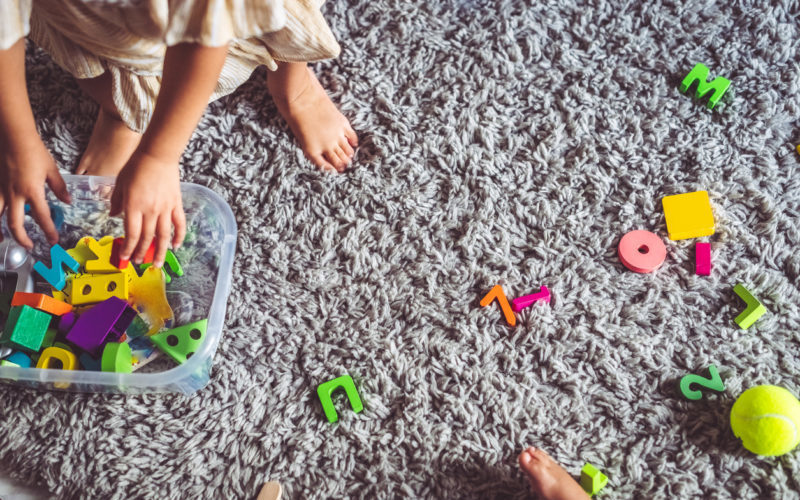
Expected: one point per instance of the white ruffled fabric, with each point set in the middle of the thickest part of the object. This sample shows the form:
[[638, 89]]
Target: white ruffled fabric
[[129, 38]]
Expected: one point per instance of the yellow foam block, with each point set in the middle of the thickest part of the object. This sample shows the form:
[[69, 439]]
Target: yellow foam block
[[688, 215], [90, 288], [149, 297]]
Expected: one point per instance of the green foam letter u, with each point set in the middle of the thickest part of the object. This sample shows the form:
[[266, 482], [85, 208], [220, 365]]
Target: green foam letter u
[[325, 393]]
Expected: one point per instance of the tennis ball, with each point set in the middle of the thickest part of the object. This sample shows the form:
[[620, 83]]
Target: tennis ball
[[767, 420]]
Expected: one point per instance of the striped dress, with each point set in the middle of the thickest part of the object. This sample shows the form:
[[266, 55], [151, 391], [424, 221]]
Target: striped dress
[[128, 38]]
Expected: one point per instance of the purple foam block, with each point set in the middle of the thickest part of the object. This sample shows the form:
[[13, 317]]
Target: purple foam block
[[93, 327], [66, 322], [124, 321]]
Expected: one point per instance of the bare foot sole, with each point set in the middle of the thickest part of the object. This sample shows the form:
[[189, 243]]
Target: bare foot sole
[[110, 147], [548, 479], [324, 133]]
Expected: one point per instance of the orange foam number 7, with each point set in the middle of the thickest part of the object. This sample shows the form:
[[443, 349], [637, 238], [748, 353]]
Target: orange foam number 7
[[497, 293], [714, 383]]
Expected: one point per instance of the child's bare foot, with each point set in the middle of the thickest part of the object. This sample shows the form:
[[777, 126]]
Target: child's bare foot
[[110, 147], [548, 479], [324, 133]]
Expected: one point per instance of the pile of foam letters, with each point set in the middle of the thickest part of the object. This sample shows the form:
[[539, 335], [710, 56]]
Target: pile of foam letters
[[104, 314]]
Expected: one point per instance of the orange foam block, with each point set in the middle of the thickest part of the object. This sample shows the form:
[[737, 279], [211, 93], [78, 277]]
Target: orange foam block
[[497, 293], [41, 302]]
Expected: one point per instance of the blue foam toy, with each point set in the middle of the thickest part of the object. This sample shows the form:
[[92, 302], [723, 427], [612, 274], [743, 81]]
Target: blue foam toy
[[55, 274], [21, 359]]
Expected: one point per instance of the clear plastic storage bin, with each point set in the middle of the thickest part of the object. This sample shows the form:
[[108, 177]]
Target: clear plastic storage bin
[[206, 257]]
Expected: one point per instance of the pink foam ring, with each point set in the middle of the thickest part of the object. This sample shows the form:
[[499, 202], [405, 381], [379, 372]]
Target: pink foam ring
[[521, 303], [642, 251], [702, 254]]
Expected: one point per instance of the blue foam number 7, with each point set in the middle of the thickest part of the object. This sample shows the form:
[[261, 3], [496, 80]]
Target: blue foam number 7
[[714, 383]]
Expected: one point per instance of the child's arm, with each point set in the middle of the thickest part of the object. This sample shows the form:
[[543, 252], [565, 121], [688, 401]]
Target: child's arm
[[148, 188], [25, 163]]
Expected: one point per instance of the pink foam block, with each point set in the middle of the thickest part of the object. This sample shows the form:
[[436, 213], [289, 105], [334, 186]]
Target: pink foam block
[[521, 303], [702, 253]]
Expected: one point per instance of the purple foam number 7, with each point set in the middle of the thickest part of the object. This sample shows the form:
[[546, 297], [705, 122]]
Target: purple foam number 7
[[55, 275], [521, 303], [714, 383]]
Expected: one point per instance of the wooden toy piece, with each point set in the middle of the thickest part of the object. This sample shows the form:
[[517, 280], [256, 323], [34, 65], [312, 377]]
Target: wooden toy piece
[[714, 383], [55, 274], [66, 322], [104, 322], [138, 328], [116, 260], [66, 358], [688, 215], [171, 263], [182, 342], [49, 338], [92, 288], [754, 308], [702, 256], [117, 358], [148, 295], [102, 263], [641, 251], [25, 328], [19, 359], [81, 252], [5, 351], [592, 480], [89, 363], [271, 491], [6, 362], [41, 302], [497, 293], [325, 393], [700, 74], [521, 303]]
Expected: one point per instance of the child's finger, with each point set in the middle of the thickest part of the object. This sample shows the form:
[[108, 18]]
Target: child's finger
[[133, 228], [163, 232], [41, 214], [146, 239], [16, 222], [179, 221], [58, 186]]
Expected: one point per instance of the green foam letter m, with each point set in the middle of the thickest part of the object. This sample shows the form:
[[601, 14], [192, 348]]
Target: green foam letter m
[[700, 73]]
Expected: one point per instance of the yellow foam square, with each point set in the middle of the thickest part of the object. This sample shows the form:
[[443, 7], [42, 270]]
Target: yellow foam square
[[688, 215]]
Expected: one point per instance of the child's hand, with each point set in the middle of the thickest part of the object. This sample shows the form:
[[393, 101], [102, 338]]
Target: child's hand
[[148, 191], [24, 170]]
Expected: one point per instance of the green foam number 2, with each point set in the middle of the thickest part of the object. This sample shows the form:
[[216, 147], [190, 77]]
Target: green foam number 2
[[714, 383]]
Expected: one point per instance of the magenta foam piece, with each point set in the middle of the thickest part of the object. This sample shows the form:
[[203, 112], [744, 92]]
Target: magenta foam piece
[[702, 254], [521, 303], [93, 328], [66, 322]]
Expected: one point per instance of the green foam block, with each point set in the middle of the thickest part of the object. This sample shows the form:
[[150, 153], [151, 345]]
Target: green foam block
[[25, 328], [182, 342], [117, 357]]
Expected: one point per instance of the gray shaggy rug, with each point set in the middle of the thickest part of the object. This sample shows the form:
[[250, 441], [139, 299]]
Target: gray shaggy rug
[[502, 142]]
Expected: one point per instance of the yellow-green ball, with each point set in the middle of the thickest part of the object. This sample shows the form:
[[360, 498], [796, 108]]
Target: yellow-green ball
[[767, 420]]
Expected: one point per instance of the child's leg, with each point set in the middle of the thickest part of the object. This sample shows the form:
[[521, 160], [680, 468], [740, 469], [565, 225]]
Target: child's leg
[[112, 143], [548, 479], [324, 133]]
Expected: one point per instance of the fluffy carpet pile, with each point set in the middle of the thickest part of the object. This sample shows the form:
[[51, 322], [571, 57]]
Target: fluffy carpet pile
[[501, 143]]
